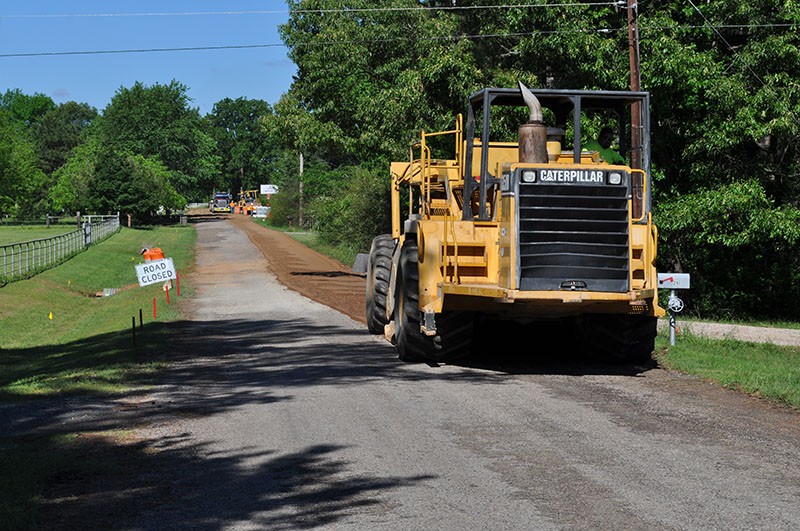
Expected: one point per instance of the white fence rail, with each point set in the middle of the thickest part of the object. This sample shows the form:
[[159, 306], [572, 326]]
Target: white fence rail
[[25, 259]]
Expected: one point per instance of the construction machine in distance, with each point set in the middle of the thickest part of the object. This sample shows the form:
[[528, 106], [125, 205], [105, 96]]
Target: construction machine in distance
[[248, 201], [517, 223], [221, 202]]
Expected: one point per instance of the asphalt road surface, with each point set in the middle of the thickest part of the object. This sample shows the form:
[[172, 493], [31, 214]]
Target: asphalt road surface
[[281, 413]]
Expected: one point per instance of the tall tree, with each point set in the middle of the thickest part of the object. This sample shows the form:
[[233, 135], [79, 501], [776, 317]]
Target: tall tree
[[369, 79], [156, 121], [26, 108], [21, 181], [59, 130], [73, 180], [246, 150]]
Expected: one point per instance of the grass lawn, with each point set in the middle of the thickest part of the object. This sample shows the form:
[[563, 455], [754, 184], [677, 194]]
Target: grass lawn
[[11, 234], [759, 369]]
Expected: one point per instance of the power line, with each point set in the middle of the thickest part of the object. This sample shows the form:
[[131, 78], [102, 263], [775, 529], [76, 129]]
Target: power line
[[735, 54], [316, 43], [332, 43], [141, 50], [311, 11]]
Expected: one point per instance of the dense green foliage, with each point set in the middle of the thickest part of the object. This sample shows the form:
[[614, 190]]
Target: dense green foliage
[[725, 103], [20, 177], [156, 122], [246, 152]]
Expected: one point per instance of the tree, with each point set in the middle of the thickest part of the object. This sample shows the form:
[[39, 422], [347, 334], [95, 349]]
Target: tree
[[369, 80], [156, 121], [131, 183], [740, 248], [60, 130], [26, 108], [73, 180], [21, 180], [246, 150]]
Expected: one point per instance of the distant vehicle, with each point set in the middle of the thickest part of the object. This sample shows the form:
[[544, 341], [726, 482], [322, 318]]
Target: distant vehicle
[[248, 201], [222, 202]]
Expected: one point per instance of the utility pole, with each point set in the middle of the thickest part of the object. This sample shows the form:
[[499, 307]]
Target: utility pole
[[300, 209], [636, 112]]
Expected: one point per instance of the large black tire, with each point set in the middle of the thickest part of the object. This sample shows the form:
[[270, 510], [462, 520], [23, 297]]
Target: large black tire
[[620, 338], [379, 270], [454, 330]]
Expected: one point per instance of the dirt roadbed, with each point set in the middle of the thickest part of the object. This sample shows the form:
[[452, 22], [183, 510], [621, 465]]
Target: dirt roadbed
[[306, 271]]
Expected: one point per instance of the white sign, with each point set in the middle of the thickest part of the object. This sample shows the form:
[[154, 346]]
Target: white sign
[[673, 280], [261, 212], [155, 271], [269, 189]]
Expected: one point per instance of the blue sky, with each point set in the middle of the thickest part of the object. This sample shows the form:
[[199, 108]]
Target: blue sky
[[57, 26]]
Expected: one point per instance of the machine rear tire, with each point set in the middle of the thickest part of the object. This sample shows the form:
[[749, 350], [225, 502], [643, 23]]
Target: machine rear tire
[[454, 330], [379, 270], [620, 338]]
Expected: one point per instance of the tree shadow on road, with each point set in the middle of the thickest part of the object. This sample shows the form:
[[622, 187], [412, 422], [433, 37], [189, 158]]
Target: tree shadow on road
[[171, 481], [186, 486]]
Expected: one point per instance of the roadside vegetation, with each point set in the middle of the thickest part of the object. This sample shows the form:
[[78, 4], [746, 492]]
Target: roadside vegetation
[[761, 370], [61, 338]]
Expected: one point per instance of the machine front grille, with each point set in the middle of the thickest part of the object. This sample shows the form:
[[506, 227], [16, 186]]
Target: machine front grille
[[573, 237]]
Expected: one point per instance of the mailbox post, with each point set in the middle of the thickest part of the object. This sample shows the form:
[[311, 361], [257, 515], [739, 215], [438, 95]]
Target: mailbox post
[[673, 281]]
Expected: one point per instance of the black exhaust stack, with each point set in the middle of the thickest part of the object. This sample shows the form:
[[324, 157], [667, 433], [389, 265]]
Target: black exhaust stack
[[533, 134]]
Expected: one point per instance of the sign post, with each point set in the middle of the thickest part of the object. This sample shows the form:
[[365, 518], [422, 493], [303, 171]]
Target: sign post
[[673, 281]]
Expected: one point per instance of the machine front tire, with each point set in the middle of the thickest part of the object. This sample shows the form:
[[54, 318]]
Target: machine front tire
[[454, 330], [379, 270]]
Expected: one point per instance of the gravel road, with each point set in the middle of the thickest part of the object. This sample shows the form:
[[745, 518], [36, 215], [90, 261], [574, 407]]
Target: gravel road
[[280, 413], [752, 334]]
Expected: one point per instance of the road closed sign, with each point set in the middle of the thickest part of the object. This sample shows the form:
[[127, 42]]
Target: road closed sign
[[155, 271]]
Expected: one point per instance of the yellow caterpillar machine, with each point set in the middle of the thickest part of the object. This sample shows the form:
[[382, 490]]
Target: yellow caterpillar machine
[[521, 226], [248, 201]]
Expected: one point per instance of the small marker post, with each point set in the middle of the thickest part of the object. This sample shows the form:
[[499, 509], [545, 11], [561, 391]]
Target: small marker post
[[154, 308]]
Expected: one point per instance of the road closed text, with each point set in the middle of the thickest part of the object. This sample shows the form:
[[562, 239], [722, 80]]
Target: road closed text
[[155, 271]]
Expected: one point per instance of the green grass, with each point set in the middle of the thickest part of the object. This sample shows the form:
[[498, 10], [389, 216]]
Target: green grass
[[12, 234], [60, 306], [58, 338], [758, 369]]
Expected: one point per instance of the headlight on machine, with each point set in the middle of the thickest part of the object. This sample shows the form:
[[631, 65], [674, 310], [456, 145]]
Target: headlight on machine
[[614, 177], [529, 176]]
